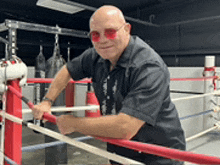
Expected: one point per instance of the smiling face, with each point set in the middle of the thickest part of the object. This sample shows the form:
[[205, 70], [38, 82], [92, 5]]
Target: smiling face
[[104, 21]]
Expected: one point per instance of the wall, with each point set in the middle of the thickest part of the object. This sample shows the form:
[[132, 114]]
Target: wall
[[195, 38], [192, 106]]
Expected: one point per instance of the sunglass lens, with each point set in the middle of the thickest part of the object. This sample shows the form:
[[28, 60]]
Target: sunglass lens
[[95, 36], [110, 33]]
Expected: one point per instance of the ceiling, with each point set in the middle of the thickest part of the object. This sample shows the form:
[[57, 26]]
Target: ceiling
[[28, 11]]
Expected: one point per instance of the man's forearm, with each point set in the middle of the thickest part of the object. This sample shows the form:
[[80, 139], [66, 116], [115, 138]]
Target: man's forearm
[[120, 126], [103, 126], [58, 84], [100, 126]]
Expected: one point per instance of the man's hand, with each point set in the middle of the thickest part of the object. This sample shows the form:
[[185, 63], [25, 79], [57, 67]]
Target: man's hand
[[64, 124], [40, 109], [10, 70]]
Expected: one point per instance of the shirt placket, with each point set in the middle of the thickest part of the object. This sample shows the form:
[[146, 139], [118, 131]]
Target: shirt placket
[[108, 96]]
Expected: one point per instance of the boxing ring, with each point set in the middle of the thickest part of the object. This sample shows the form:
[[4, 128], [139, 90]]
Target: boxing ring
[[12, 120], [14, 94]]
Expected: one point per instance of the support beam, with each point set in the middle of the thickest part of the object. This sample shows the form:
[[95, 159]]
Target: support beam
[[43, 28]]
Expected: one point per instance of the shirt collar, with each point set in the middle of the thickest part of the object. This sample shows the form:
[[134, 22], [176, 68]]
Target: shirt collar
[[125, 57], [124, 60]]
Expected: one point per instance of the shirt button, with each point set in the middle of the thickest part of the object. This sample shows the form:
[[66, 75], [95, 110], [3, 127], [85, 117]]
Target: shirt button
[[108, 77], [108, 97]]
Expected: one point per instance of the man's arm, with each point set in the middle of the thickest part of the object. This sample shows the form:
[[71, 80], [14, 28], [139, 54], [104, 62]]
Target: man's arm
[[58, 84], [120, 126]]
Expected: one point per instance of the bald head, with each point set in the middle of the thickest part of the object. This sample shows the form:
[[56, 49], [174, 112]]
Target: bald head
[[111, 34], [106, 13]]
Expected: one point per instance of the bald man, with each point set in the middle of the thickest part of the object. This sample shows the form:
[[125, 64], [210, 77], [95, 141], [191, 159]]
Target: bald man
[[131, 83]]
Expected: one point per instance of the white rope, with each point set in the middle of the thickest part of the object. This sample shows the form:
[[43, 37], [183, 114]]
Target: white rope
[[64, 109], [73, 142], [195, 96], [202, 133]]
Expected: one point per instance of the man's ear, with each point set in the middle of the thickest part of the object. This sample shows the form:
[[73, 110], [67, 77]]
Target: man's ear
[[128, 28]]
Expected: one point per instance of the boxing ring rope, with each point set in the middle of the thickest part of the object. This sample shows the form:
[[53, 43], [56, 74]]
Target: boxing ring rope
[[203, 133], [70, 141], [194, 79], [49, 80], [196, 96], [51, 144], [64, 109], [42, 146], [94, 107], [143, 147], [9, 160], [197, 114]]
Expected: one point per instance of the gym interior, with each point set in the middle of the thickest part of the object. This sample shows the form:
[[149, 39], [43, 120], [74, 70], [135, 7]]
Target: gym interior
[[185, 33]]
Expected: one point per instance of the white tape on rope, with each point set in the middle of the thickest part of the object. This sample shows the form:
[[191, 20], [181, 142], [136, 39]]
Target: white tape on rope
[[65, 109], [70, 141]]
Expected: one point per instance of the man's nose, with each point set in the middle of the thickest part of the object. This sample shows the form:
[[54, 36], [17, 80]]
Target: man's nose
[[103, 38]]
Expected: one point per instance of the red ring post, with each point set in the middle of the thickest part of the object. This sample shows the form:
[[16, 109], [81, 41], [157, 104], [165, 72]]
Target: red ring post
[[70, 94], [92, 100], [13, 131], [212, 69]]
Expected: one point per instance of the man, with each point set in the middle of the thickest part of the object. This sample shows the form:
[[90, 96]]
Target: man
[[131, 83]]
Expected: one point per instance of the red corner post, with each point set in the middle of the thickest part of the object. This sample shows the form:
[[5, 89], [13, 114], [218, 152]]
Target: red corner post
[[70, 93], [92, 100], [13, 131]]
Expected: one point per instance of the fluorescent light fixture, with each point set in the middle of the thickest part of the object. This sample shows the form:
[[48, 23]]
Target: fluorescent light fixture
[[51, 4]]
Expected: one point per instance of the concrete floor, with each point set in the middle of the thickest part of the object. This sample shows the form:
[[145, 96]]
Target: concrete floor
[[208, 144], [76, 156]]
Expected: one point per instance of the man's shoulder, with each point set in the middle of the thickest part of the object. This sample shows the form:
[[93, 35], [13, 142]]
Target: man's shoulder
[[143, 56], [89, 54]]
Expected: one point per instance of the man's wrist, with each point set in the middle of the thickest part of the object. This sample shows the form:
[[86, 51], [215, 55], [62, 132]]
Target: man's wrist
[[48, 99]]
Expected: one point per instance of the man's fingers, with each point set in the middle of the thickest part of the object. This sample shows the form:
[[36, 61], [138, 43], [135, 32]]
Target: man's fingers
[[37, 114]]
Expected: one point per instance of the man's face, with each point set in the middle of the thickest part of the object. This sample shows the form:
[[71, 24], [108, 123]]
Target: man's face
[[109, 38]]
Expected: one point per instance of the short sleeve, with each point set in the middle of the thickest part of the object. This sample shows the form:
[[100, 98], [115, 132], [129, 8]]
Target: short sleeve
[[81, 66], [147, 93]]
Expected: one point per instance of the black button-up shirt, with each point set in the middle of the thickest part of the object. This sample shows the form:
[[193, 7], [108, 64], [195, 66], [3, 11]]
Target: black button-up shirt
[[138, 86]]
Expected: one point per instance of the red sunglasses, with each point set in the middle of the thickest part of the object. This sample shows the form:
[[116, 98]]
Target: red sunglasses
[[109, 34]]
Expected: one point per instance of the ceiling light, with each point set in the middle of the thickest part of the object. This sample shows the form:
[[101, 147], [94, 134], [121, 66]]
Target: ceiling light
[[51, 4]]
